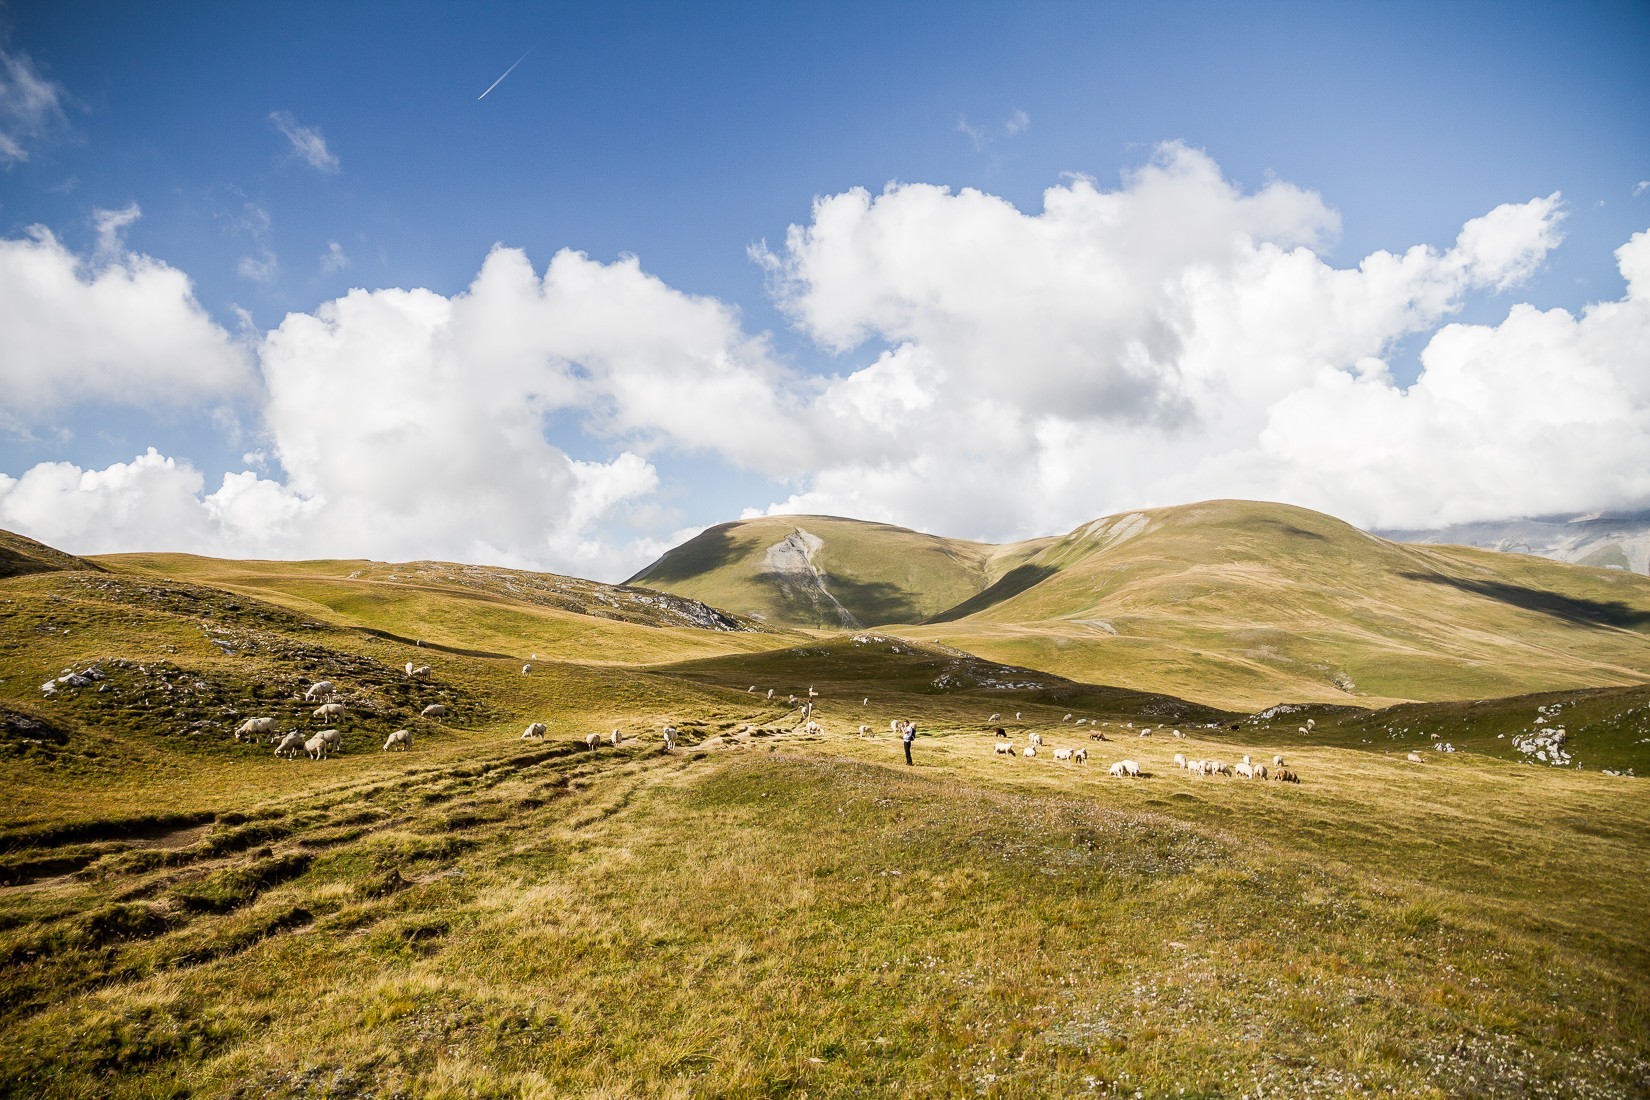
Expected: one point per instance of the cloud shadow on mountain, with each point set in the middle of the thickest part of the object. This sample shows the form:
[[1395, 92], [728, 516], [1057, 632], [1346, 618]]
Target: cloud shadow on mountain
[[1593, 613], [1017, 580]]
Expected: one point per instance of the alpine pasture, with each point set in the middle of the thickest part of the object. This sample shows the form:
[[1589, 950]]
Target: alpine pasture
[[766, 910]]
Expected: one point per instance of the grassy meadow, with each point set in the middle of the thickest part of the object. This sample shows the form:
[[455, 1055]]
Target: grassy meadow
[[769, 911]]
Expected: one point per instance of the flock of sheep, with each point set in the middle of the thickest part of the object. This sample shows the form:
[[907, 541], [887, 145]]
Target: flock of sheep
[[326, 742], [1130, 769]]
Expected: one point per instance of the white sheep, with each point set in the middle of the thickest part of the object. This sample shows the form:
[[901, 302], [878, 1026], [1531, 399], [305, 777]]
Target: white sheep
[[525, 669], [813, 727], [995, 717], [1062, 754], [434, 710], [422, 672], [536, 730], [318, 690], [1311, 723], [334, 740], [1247, 771], [1277, 761], [1197, 767], [409, 667], [328, 710], [1301, 730], [1125, 768], [1414, 758], [290, 744], [1016, 716], [1081, 756], [316, 747], [1031, 751], [615, 737], [1180, 760], [1067, 718], [1260, 771], [1004, 748], [1176, 733], [1246, 759], [864, 730], [895, 726], [591, 740], [865, 702], [670, 738], [253, 728], [770, 695], [1035, 738], [400, 739]]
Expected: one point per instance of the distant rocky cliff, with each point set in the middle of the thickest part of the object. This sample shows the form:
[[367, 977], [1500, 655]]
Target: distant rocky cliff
[[1609, 540]]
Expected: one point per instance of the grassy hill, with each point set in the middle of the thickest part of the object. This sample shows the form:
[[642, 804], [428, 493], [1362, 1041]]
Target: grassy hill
[[1233, 603], [822, 572], [767, 909]]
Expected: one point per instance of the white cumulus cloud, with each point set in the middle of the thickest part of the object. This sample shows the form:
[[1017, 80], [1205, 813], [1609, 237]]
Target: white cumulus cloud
[[118, 329]]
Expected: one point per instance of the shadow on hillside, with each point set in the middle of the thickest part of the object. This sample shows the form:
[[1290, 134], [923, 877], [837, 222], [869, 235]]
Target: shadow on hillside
[[708, 550], [1570, 609], [874, 603], [438, 648], [1011, 584]]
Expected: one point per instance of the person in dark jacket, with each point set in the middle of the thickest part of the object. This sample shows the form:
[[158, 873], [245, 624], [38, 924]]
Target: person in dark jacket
[[910, 736]]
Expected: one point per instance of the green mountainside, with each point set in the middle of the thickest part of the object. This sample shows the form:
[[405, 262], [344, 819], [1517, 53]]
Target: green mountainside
[[827, 573], [1230, 603]]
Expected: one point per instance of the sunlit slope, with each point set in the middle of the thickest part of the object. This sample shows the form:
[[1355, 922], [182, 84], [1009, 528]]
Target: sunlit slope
[[1241, 604], [830, 573], [477, 609]]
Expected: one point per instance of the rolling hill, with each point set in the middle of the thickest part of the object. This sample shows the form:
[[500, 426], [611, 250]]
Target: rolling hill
[[1230, 603]]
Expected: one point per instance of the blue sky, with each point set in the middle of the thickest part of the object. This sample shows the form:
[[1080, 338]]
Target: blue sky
[[682, 135]]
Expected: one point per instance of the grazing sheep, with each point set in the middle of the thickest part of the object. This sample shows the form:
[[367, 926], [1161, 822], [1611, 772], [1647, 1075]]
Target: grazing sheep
[[791, 699], [1246, 759], [409, 668], [1180, 760], [1301, 730], [1277, 761], [1031, 751], [1081, 756], [400, 739], [316, 747], [1004, 749], [1016, 716], [290, 744], [1197, 767], [1098, 736], [1287, 776], [591, 740], [1001, 732], [615, 737], [525, 669], [864, 730], [813, 727], [1067, 718], [536, 730], [328, 710], [865, 702], [422, 672], [334, 740], [1176, 733], [1260, 771], [1035, 738], [1062, 754], [1247, 771], [434, 710], [1125, 768], [1217, 767], [770, 695], [995, 718], [318, 690], [895, 726], [1414, 758], [1079, 721], [1311, 723], [670, 738], [253, 728]]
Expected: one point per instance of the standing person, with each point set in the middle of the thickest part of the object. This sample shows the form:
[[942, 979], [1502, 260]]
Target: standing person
[[910, 736]]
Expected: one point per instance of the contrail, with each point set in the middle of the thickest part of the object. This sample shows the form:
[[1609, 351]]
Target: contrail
[[500, 80]]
